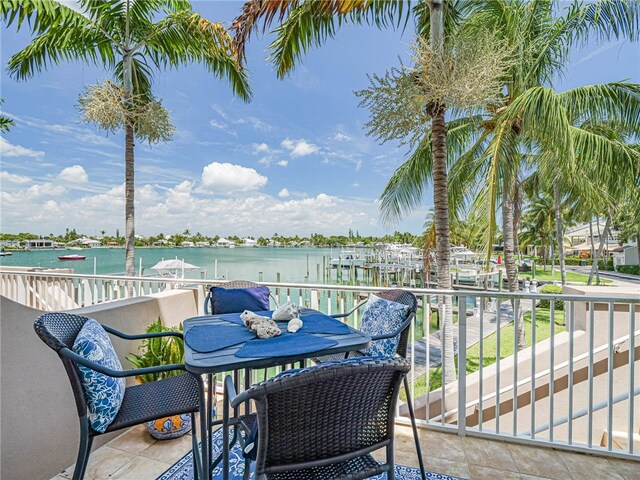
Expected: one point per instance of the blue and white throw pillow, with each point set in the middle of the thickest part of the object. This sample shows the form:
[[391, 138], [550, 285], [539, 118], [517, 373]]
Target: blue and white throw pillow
[[103, 394], [380, 317]]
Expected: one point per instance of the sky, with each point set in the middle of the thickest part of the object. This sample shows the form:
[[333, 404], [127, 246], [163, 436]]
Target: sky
[[293, 161]]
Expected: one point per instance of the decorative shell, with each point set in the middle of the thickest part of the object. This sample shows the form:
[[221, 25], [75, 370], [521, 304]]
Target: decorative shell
[[267, 330], [294, 325]]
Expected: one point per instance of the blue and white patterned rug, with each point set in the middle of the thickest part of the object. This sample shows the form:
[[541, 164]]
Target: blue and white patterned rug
[[183, 468]]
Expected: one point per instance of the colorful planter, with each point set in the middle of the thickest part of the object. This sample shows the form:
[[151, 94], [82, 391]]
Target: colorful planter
[[170, 427]]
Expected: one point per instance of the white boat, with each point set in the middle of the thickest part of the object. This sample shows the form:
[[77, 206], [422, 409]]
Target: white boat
[[462, 254], [5, 254]]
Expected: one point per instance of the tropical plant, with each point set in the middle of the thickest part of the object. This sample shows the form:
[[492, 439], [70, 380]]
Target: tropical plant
[[5, 122], [129, 39], [159, 351]]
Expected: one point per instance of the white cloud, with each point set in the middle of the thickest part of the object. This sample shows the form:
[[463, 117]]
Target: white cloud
[[339, 137], [13, 178], [228, 178], [94, 139], [257, 148], [284, 193], [45, 189], [222, 126], [355, 184], [283, 163], [74, 174], [299, 148], [10, 150]]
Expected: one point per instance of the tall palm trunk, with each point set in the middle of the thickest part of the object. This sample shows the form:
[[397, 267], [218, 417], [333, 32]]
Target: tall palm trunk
[[443, 244], [129, 197], [508, 221], [559, 232], [596, 258], [129, 183], [441, 202]]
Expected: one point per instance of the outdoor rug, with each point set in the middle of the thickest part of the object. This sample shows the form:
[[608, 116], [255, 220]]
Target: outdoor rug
[[183, 468]]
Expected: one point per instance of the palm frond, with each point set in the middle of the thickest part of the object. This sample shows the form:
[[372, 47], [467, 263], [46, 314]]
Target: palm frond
[[306, 24], [617, 101]]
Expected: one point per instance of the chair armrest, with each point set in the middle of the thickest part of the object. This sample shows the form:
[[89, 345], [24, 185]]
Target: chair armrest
[[235, 399], [397, 331], [230, 388], [342, 315], [70, 354], [141, 336]]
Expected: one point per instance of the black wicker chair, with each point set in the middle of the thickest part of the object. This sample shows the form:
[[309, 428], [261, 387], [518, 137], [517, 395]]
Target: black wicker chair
[[208, 301], [142, 403], [409, 299], [323, 422]]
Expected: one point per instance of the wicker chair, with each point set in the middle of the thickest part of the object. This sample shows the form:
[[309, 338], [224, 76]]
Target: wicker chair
[[324, 421], [406, 298], [142, 403], [208, 301]]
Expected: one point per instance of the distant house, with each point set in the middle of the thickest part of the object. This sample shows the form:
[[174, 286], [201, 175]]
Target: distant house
[[305, 243], [41, 243], [202, 244], [10, 243], [223, 242], [188, 244], [249, 242], [91, 243], [625, 255]]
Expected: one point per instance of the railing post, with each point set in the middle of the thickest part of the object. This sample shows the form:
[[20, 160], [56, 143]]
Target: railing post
[[462, 365]]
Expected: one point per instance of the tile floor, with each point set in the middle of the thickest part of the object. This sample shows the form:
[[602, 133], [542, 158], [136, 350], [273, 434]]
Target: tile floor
[[134, 455]]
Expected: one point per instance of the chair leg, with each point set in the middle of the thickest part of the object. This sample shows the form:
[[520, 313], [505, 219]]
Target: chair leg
[[415, 429], [84, 450], [391, 462], [247, 469], [194, 447]]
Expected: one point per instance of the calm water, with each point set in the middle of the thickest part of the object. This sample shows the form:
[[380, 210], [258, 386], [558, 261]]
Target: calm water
[[238, 263]]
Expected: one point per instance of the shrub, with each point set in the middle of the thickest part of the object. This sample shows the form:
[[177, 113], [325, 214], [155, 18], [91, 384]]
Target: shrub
[[632, 269], [551, 289], [606, 266]]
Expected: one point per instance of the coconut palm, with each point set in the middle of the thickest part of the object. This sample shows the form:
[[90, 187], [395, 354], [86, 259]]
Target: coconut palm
[[129, 39], [493, 148], [304, 24]]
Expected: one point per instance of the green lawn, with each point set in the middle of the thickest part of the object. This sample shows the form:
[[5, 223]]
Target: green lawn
[[573, 277], [543, 329]]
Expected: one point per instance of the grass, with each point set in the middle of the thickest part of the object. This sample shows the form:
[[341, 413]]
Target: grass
[[489, 355], [573, 277]]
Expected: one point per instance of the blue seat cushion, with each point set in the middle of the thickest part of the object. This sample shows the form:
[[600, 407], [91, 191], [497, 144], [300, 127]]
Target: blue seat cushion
[[235, 300], [382, 317], [103, 394]]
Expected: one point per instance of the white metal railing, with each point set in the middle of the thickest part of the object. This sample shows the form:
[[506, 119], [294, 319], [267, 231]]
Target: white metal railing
[[564, 390]]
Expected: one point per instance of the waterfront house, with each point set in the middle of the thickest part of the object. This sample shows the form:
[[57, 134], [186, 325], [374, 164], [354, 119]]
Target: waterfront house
[[249, 242], [223, 242]]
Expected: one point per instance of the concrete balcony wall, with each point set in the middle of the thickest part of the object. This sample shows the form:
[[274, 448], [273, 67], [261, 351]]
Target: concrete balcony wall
[[39, 429]]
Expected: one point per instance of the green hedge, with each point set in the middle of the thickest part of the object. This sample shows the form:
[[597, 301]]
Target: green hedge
[[569, 260], [632, 269], [606, 266], [553, 290]]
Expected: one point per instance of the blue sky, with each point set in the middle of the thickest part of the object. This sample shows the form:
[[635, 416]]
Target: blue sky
[[293, 161]]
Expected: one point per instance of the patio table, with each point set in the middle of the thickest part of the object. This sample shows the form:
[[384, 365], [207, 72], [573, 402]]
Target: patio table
[[225, 360]]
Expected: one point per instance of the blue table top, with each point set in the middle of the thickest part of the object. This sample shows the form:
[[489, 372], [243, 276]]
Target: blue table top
[[226, 359]]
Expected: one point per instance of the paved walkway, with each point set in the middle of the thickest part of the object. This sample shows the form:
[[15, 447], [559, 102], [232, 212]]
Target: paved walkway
[[473, 335]]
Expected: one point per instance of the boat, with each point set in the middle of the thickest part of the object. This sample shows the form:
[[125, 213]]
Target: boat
[[5, 254], [74, 256]]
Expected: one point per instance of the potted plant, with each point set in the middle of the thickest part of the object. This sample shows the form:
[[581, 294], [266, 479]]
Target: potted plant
[[155, 352]]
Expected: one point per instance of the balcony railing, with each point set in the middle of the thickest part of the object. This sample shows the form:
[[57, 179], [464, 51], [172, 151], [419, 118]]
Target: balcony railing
[[574, 383]]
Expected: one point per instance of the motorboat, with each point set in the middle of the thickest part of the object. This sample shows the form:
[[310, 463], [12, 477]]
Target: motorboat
[[73, 256]]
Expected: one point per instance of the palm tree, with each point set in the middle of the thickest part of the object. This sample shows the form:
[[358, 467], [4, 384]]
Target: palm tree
[[309, 23], [130, 39], [493, 148]]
